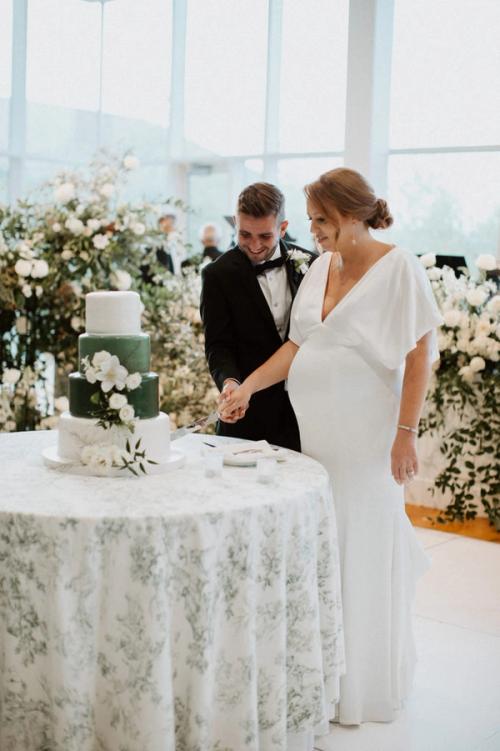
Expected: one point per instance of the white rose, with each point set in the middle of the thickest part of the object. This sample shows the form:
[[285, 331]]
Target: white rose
[[121, 279], [133, 380], [100, 241], [428, 260], [452, 318], [26, 290], [11, 376], [22, 325], [477, 364], [91, 375], [64, 193], [486, 262], [38, 290], [466, 373], [117, 401], [74, 225], [67, 254], [131, 162], [61, 403], [40, 269], [126, 413], [76, 323], [138, 228], [476, 297], [56, 227], [22, 267], [107, 190], [434, 273], [494, 305], [93, 224]]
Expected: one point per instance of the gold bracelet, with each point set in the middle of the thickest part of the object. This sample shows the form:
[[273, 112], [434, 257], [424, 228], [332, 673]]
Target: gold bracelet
[[408, 428]]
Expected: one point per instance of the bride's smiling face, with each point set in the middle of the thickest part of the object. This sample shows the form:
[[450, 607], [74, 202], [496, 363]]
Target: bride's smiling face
[[326, 229]]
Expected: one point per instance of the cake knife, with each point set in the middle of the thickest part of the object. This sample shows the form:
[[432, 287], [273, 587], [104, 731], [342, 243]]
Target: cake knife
[[193, 427]]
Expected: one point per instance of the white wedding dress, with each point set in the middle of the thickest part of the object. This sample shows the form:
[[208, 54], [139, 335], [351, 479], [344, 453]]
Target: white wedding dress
[[345, 387]]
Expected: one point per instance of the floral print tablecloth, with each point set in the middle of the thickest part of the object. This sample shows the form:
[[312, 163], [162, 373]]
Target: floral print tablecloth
[[170, 612]]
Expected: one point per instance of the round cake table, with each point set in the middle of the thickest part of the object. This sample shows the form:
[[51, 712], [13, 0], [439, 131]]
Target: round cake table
[[170, 612]]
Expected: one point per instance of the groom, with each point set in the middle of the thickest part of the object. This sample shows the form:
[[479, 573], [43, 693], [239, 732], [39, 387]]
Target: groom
[[245, 307]]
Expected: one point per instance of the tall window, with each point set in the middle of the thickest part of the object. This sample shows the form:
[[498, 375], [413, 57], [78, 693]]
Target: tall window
[[444, 168], [225, 84], [5, 71]]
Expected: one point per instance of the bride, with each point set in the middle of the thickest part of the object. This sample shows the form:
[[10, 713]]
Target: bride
[[361, 345]]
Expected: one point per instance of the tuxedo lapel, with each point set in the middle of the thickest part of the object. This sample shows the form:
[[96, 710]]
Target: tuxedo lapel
[[248, 280]]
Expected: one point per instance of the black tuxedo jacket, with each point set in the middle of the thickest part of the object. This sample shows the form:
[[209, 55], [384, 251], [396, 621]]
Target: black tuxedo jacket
[[240, 334]]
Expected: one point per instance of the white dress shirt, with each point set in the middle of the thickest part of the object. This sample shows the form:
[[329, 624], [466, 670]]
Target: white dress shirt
[[276, 290]]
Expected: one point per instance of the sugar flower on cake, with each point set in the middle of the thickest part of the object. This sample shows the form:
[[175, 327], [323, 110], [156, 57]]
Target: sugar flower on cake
[[111, 374]]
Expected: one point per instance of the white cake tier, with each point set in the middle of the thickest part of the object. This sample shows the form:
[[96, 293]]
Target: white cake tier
[[77, 432], [113, 313]]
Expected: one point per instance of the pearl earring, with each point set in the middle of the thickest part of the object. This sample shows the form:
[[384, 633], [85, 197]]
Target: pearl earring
[[353, 239]]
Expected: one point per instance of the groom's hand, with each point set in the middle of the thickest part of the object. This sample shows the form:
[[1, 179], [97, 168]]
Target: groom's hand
[[226, 414]]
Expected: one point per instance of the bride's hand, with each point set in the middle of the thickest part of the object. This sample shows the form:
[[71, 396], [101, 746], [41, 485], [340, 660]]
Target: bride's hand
[[234, 404], [404, 462]]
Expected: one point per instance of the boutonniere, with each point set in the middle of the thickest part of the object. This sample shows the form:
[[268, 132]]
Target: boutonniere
[[300, 260]]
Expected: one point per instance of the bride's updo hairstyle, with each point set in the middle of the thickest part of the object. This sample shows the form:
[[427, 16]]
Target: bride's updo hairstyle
[[346, 191]]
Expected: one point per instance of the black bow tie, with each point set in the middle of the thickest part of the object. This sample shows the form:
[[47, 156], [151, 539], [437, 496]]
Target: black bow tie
[[261, 267]]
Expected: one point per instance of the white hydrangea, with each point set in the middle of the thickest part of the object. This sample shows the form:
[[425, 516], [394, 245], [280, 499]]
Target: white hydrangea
[[22, 267], [476, 297], [100, 241], [74, 225], [40, 268], [138, 228], [428, 259], [107, 190], [486, 262], [121, 279], [64, 192], [452, 317], [11, 376], [477, 364]]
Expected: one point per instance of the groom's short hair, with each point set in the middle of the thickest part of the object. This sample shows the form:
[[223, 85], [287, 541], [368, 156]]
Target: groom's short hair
[[262, 199]]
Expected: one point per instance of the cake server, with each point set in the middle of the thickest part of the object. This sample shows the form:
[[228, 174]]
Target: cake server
[[193, 427]]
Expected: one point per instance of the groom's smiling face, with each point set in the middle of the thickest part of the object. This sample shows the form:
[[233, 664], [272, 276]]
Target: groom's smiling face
[[258, 236]]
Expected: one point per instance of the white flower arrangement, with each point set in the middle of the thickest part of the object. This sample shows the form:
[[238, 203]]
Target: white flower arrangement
[[300, 260], [464, 391]]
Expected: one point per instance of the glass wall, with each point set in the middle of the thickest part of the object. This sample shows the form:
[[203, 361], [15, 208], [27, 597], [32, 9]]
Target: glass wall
[[226, 92], [444, 184]]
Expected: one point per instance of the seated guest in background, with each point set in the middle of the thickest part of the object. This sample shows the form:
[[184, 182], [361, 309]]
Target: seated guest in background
[[245, 307], [210, 236]]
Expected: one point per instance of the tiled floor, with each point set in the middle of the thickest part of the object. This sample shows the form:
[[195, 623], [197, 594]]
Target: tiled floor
[[455, 705]]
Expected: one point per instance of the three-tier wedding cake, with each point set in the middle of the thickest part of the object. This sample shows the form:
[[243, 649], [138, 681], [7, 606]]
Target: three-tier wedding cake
[[114, 423]]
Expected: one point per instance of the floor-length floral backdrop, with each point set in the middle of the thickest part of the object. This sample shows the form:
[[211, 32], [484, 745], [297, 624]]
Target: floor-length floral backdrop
[[76, 236]]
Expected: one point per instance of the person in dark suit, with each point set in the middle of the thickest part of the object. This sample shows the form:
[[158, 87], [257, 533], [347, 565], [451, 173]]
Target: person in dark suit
[[246, 299], [210, 237]]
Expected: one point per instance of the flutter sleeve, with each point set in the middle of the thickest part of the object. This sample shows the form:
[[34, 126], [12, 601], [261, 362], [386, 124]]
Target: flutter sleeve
[[408, 313], [304, 315]]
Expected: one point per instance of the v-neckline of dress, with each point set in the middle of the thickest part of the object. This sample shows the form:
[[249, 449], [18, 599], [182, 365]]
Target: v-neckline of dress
[[354, 286]]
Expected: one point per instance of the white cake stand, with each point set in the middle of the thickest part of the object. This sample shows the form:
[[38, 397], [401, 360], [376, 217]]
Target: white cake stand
[[52, 460]]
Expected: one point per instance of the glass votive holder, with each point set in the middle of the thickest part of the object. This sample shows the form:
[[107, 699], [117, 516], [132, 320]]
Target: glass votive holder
[[266, 470], [213, 461]]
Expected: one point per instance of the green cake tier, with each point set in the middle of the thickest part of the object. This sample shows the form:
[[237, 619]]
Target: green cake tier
[[133, 350], [144, 399]]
